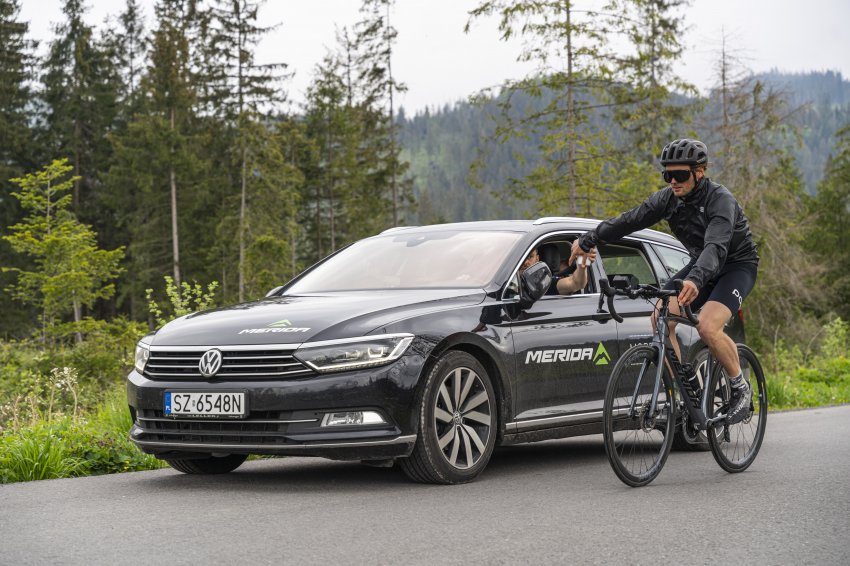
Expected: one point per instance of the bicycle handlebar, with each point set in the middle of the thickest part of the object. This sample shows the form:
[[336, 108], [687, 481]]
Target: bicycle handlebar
[[642, 292]]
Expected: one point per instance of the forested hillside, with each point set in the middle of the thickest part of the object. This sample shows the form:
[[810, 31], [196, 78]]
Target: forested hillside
[[443, 145]]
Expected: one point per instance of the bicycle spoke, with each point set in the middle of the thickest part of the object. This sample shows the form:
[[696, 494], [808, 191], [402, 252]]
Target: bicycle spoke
[[637, 445]]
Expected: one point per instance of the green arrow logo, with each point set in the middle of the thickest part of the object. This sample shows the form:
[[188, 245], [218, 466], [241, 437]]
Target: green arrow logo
[[601, 357], [280, 324]]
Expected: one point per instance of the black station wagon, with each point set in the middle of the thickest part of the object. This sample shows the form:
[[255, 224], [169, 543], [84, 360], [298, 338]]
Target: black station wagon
[[421, 346]]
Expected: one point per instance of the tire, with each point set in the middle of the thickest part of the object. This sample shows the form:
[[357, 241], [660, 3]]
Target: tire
[[736, 446], [457, 422], [686, 438], [211, 465], [637, 446]]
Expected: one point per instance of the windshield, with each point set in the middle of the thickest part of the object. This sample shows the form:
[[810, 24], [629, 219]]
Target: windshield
[[412, 261]]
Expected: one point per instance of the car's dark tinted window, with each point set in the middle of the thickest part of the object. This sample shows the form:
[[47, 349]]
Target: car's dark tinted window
[[673, 259], [626, 260], [412, 260]]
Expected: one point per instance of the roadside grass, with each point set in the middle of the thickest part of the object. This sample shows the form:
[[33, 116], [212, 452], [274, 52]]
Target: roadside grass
[[798, 379], [42, 445]]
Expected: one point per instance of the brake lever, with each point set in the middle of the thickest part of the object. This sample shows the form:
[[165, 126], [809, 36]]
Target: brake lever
[[686, 309], [690, 314], [609, 292]]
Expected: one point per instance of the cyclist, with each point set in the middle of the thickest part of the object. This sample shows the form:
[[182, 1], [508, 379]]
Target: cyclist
[[711, 224]]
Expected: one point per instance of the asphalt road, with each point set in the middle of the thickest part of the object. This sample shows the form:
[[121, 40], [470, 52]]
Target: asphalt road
[[548, 503]]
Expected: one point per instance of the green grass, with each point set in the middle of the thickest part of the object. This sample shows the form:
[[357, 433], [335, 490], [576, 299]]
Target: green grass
[[60, 446], [822, 377], [37, 453]]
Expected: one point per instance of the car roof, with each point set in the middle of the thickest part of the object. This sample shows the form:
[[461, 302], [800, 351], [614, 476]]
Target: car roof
[[541, 225]]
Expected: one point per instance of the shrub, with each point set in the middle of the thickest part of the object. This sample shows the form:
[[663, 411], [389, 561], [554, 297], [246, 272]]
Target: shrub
[[42, 444], [37, 453], [819, 377]]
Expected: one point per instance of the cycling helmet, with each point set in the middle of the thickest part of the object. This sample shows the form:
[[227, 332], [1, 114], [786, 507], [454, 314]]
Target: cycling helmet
[[684, 152]]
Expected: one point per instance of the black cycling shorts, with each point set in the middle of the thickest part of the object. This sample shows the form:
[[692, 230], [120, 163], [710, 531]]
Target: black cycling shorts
[[730, 287]]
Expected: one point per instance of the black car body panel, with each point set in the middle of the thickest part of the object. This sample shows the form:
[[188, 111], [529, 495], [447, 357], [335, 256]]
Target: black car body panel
[[549, 363]]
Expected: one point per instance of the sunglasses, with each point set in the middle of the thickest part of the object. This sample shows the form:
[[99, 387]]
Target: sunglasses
[[679, 175]]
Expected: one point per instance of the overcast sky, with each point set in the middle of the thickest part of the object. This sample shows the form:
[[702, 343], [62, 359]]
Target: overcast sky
[[440, 64]]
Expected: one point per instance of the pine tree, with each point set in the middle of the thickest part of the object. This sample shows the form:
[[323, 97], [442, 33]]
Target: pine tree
[[161, 165], [652, 103], [828, 238], [70, 272], [17, 150], [80, 100], [126, 47], [241, 91], [377, 88], [576, 69], [326, 122]]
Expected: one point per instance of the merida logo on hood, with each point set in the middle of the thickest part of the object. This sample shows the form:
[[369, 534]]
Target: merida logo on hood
[[274, 327]]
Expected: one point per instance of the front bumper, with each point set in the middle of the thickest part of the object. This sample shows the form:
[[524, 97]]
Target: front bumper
[[285, 415]]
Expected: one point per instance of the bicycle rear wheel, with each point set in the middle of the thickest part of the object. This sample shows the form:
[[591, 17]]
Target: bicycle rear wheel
[[736, 446], [637, 445]]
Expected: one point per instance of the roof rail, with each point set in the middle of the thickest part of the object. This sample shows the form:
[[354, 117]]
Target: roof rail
[[396, 229], [551, 219]]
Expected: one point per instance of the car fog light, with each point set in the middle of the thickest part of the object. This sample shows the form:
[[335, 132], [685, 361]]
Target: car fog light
[[352, 418]]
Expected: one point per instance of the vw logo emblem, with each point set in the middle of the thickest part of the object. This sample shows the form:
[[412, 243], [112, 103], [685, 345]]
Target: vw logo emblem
[[210, 363]]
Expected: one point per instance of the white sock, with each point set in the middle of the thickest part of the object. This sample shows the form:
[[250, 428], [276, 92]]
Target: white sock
[[737, 381]]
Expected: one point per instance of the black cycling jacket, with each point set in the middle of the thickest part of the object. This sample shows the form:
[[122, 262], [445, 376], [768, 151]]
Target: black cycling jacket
[[708, 221]]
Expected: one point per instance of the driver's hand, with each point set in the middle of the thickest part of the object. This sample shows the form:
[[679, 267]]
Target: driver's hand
[[576, 252], [688, 293], [590, 257]]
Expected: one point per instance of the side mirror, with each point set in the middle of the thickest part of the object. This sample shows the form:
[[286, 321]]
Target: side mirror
[[274, 291], [624, 282], [535, 281]]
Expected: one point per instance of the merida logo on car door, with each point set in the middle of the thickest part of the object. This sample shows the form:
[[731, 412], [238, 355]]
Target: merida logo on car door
[[599, 357]]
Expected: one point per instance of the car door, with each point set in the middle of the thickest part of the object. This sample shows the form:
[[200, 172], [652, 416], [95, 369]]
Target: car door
[[630, 258], [562, 355]]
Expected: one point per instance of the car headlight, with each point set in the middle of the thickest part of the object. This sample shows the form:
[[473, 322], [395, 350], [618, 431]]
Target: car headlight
[[142, 354], [353, 353]]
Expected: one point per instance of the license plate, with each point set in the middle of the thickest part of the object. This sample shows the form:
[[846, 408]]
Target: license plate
[[179, 404]]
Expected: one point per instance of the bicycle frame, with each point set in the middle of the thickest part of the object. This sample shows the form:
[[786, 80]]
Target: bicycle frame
[[697, 407]]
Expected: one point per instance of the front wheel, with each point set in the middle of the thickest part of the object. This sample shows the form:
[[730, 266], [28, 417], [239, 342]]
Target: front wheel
[[736, 446], [211, 465], [637, 435], [458, 422]]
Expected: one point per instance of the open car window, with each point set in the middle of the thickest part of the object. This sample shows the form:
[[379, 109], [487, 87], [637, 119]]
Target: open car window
[[557, 263]]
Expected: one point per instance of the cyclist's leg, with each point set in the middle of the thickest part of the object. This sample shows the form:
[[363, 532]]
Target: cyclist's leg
[[712, 320], [725, 297], [674, 309]]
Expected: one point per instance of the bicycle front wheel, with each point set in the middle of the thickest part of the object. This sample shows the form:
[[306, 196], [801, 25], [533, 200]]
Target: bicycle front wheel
[[638, 436], [736, 446]]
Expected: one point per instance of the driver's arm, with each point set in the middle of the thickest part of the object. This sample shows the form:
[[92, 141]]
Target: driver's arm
[[574, 283]]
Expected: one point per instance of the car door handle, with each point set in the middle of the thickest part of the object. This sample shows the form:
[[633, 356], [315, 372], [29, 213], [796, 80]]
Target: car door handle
[[601, 316]]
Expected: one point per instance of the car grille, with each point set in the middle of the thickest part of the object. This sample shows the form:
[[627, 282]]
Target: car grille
[[262, 427], [236, 364]]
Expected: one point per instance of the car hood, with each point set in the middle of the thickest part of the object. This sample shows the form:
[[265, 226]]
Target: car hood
[[303, 318]]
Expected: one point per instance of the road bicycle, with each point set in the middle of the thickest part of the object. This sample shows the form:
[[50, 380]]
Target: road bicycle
[[646, 399]]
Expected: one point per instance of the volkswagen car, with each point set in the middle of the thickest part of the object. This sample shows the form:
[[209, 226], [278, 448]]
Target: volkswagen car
[[424, 347]]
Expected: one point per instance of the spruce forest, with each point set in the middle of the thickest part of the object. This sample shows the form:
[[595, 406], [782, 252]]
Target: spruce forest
[[151, 168]]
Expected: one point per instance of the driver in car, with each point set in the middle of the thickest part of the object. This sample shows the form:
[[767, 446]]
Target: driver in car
[[569, 279]]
